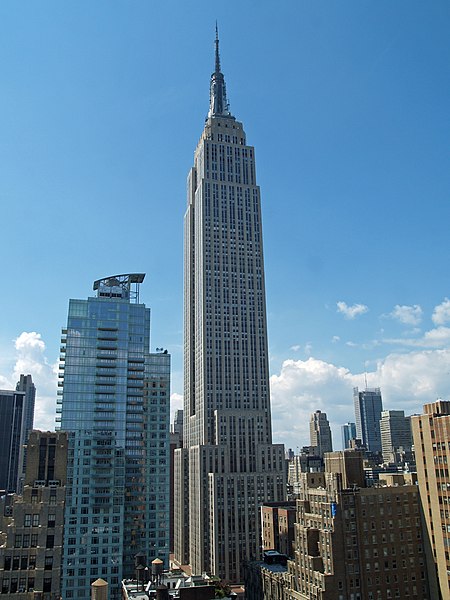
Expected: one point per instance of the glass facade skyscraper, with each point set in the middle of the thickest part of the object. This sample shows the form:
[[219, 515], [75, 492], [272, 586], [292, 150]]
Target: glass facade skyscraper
[[228, 466], [368, 406], [115, 407]]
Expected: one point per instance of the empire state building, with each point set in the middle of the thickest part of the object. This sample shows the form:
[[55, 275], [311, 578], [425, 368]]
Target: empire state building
[[228, 466]]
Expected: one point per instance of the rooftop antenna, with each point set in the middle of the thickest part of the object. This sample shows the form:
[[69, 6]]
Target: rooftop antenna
[[365, 378]]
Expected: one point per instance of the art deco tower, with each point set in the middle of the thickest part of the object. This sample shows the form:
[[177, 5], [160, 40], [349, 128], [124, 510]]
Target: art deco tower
[[228, 466]]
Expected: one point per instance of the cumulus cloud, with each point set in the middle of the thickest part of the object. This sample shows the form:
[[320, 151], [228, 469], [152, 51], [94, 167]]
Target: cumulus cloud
[[28, 357], [408, 315], [350, 312], [434, 338], [407, 382], [441, 313]]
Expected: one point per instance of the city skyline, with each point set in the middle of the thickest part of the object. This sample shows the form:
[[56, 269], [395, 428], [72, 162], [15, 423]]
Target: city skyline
[[355, 278]]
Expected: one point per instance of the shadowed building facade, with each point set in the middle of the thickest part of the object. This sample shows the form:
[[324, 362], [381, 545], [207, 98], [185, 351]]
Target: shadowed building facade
[[228, 466]]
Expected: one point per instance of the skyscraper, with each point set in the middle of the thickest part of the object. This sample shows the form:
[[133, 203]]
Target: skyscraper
[[348, 433], [320, 433], [228, 465], [25, 384], [12, 436], [16, 421], [368, 406], [396, 436], [115, 407]]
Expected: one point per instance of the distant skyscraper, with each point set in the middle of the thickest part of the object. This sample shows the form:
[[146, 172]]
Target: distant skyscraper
[[348, 433], [320, 433], [16, 420], [396, 436], [115, 406], [228, 460], [12, 437], [368, 407], [25, 384]]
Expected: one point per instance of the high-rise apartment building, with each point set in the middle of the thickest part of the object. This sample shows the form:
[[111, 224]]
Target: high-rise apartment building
[[431, 434], [115, 408], [31, 548], [320, 433], [228, 465], [348, 431], [396, 436], [368, 406]]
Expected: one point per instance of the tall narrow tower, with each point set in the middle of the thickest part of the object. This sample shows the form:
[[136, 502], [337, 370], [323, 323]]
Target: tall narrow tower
[[228, 461], [115, 408], [320, 432]]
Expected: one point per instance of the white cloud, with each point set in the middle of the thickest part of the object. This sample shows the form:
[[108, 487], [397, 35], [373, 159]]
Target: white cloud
[[441, 313], [30, 342], [29, 358], [308, 349], [335, 339], [295, 348], [350, 312], [176, 403], [434, 338], [407, 382], [409, 315]]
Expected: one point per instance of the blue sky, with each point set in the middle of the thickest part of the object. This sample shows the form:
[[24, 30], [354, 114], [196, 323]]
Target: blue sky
[[347, 104]]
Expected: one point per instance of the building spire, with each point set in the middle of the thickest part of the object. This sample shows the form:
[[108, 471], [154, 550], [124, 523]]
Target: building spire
[[218, 104]]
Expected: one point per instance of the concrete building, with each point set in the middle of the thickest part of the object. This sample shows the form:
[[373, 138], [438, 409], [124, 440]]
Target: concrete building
[[431, 434], [320, 433], [115, 407], [352, 541], [228, 466], [368, 406], [396, 437], [277, 520], [348, 432], [307, 461], [176, 441], [31, 548]]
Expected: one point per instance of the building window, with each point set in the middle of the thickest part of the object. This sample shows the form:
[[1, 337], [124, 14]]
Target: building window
[[27, 520], [50, 541], [36, 520], [51, 520], [48, 563]]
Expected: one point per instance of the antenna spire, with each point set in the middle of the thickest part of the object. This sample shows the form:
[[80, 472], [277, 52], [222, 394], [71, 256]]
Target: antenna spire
[[218, 103], [217, 50]]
